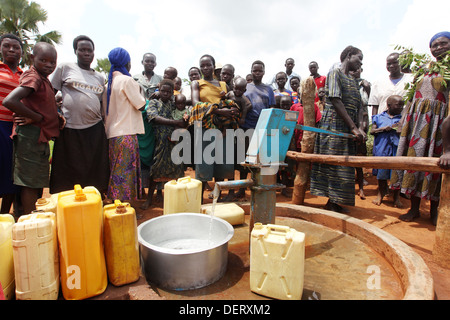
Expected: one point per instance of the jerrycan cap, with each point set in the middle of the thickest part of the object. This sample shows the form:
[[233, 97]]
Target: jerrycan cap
[[42, 201], [259, 230], [258, 226], [120, 208], [79, 195]]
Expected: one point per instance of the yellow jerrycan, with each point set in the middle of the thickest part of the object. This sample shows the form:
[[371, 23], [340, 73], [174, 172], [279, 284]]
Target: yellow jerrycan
[[35, 250], [80, 237], [183, 195], [277, 260], [229, 212], [121, 243], [6, 256], [51, 203]]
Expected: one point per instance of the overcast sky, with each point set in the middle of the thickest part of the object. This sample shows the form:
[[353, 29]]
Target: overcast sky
[[239, 32]]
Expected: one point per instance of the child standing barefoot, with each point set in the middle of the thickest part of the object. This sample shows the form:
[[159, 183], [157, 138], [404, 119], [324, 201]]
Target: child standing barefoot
[[160, 114], [34, 102], [386, 143]]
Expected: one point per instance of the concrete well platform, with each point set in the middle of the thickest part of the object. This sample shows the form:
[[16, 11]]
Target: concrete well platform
[[344, 259]]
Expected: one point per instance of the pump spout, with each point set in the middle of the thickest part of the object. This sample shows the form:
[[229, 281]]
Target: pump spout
[[234, 184]]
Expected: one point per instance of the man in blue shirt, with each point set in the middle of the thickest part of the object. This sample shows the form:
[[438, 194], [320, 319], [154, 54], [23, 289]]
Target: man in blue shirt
[[260, 95]]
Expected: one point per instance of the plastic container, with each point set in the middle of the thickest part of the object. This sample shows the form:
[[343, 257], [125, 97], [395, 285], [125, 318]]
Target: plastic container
[[47, 204], [277, 261], [229, 212], [183, 195], [50, 204], [121, 243], [6, 256], [80, 237], [36, 263]]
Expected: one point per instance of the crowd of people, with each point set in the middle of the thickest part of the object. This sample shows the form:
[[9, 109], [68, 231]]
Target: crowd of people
[[116, 134]]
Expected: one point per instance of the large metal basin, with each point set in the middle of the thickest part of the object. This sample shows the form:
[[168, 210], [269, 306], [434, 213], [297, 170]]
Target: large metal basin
[[184, 251]]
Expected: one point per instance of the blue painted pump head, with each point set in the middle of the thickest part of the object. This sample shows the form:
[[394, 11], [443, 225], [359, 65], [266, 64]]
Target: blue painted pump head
[[272, 136]]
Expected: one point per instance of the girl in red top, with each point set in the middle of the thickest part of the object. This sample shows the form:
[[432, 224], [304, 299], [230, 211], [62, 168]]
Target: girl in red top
[[10, 72], [34, 101]]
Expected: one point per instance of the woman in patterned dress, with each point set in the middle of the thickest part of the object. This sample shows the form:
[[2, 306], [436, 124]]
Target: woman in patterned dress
[[342, 114], [422, 135], [159, 113]]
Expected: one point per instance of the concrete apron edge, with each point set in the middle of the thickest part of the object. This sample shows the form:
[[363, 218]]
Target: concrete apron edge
[[414, 274]]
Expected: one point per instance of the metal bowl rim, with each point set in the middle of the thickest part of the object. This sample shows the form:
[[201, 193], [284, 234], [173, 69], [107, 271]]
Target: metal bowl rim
[[230, 233]]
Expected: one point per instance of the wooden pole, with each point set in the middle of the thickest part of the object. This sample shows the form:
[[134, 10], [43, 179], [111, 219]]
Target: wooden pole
[[395, 163], [303, 168], [441, 250]]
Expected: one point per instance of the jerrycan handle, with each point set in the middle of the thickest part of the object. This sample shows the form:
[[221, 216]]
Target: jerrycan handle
[[184, 180], [278, 229], [79, 194]]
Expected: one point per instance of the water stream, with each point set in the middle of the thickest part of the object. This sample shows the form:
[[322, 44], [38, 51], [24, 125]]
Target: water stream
[[216, 194]]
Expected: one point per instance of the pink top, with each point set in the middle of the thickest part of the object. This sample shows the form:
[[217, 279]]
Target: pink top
[[124, 117]]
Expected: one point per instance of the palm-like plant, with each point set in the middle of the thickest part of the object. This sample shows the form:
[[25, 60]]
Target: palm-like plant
[[22, 18], [103, 66]]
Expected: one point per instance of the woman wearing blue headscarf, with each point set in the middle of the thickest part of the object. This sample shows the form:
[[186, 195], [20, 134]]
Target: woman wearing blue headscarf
[[123, 123], [423, 135]]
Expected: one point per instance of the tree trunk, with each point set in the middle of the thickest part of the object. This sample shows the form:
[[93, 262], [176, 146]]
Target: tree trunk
[[304, 168]]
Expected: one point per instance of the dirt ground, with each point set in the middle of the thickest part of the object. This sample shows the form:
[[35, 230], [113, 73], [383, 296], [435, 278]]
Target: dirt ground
[[419, 234]]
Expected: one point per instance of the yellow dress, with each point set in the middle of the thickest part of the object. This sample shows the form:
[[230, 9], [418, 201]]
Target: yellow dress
[[209, 92]]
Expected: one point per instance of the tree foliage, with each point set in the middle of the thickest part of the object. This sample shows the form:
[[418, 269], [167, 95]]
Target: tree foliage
[[103, 66], [420, 65], [22, 18]]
